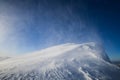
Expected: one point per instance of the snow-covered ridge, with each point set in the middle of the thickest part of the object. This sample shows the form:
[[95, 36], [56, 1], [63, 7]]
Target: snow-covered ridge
[[69, 61], [58, 50]]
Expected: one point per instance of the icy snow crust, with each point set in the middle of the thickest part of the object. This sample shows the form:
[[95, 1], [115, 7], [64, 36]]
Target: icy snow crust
[[63, 62]]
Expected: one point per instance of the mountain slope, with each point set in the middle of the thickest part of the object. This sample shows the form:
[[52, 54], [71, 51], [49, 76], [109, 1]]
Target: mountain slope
[[63, 62]]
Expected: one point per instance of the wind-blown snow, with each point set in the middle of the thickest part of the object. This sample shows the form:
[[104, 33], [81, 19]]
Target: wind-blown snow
[[63, 62]]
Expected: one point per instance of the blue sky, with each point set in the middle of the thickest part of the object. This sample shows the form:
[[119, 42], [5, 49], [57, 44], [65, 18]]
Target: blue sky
[[30, 25]]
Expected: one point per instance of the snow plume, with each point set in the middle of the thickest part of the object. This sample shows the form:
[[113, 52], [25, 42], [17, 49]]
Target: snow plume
[[30, 25], [15, 24], [71, 61], [65, 22]]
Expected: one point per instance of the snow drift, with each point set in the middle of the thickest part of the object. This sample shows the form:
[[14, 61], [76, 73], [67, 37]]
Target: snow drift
[[63, 62]]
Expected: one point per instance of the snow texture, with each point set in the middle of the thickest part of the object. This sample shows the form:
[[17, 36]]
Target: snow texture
[[63, 62]]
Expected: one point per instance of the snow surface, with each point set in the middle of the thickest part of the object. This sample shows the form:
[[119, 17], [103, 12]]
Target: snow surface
[[70, 61]]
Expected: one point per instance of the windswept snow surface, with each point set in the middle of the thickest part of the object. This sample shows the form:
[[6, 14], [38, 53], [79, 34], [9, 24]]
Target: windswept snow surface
[[63, 62]]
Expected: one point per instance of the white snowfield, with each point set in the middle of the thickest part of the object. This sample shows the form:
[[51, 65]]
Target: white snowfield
[[63, 62]]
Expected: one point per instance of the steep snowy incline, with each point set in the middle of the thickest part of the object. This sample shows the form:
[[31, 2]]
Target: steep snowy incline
[[63, 62]]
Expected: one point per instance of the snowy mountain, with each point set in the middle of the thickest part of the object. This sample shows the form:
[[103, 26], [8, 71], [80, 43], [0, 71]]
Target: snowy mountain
[[63, 62]]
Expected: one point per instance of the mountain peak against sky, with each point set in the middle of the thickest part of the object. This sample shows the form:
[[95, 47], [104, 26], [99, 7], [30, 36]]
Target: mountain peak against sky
[[63, 62], [66, 49]]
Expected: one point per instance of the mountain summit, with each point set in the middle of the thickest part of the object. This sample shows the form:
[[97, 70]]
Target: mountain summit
[[70, 61]]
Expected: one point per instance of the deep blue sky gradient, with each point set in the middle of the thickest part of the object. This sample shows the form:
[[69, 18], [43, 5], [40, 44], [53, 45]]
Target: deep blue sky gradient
[[37, 24]]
